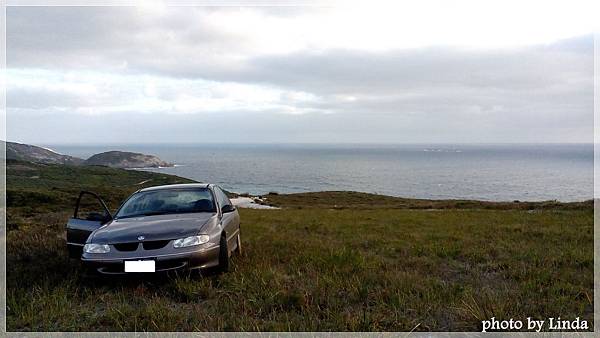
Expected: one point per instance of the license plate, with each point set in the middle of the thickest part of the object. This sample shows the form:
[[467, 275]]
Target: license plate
[[140, 266]]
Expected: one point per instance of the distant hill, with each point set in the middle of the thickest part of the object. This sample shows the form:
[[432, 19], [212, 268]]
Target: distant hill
[[26, 152], [123, 159], [113, 159]]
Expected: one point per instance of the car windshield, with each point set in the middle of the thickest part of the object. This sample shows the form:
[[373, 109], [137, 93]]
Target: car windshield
[[168, 201]]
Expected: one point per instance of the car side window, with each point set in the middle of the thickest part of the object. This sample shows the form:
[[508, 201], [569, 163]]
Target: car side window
[[222, 197], [90, 208]]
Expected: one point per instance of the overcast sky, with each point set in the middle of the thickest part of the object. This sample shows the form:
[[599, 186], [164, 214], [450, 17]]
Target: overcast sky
[[420, 72]]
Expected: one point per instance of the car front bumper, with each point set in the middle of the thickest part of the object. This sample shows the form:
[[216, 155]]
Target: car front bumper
[[193, 259]]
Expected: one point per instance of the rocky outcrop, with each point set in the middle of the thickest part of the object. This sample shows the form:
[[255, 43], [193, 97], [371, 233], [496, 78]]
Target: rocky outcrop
[[123, 159], [113, 159], [29, 153]]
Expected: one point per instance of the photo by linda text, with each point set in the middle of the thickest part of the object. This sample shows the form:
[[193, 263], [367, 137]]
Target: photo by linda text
[[537, 325]]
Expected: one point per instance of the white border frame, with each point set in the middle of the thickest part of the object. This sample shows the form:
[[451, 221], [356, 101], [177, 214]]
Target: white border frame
[[281, 3]]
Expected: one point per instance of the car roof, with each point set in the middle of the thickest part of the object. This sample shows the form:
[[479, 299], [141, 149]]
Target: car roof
[[177, 186]]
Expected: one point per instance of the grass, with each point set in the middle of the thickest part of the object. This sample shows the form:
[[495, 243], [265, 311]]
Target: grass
[[326, 262], [50, 187], [360, 200]]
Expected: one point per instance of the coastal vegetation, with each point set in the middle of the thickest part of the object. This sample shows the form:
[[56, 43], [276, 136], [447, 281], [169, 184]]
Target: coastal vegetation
[[328, 261]]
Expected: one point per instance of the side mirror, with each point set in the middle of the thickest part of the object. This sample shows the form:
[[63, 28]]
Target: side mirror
[[227, 208]]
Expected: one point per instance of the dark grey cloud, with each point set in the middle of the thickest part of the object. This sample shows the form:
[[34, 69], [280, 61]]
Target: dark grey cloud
[[347, 70]]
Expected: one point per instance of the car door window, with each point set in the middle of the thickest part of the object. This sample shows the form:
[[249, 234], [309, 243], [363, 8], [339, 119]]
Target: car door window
[[91, 208], [222, 197]]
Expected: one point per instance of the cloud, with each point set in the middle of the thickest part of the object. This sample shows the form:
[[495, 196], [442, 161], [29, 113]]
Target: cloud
[[296, 75], [92, 92]]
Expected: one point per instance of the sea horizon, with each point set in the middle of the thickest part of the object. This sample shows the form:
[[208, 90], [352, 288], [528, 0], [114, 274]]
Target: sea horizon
[[487, 172], [290, 143]]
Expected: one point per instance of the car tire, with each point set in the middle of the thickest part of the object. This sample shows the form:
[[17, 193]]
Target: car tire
[[223, 254]]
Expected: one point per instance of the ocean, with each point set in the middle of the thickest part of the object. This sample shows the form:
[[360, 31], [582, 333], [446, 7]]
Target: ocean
[[494, 172]]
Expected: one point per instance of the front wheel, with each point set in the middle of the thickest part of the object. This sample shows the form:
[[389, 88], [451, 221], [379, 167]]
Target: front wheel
[[223, 254]]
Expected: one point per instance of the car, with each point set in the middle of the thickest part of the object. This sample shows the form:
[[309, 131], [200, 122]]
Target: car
[[157, 229]]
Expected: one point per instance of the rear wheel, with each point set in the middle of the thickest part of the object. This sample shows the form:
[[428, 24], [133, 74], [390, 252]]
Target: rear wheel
[[223, 254]]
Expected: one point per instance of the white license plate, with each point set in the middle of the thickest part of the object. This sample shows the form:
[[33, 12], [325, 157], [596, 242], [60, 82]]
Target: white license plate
[[140, 266]]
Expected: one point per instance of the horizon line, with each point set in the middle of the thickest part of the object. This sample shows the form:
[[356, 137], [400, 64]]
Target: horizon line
[[298, 143]]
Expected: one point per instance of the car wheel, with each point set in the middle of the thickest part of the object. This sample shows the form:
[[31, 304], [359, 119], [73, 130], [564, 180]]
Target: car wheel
[[223, 254]]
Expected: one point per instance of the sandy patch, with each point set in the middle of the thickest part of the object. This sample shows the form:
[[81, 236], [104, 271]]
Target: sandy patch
[[250, 203]]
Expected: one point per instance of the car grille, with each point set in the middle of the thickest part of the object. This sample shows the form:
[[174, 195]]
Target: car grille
[[126, 246], [149, 245], [153, 245]]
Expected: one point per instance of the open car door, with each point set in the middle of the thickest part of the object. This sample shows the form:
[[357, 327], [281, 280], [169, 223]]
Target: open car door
[[90, 214]]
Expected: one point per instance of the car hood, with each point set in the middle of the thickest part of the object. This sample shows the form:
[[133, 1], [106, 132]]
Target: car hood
[[153, 228]]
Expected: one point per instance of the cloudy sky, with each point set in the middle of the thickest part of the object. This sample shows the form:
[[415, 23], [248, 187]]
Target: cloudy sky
[[420, 72]]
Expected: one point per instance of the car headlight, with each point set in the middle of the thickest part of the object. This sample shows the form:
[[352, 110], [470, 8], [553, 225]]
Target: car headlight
[[96, 248], [190, 241]]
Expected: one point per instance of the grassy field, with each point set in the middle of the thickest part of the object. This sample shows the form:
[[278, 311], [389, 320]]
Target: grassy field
[[326, 261]]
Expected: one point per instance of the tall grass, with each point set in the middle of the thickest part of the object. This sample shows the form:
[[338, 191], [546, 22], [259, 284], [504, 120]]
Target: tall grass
[[327, 270]]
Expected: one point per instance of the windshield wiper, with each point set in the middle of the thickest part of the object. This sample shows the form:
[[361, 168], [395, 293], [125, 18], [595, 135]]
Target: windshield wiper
[[154, 213], [151, 213]]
